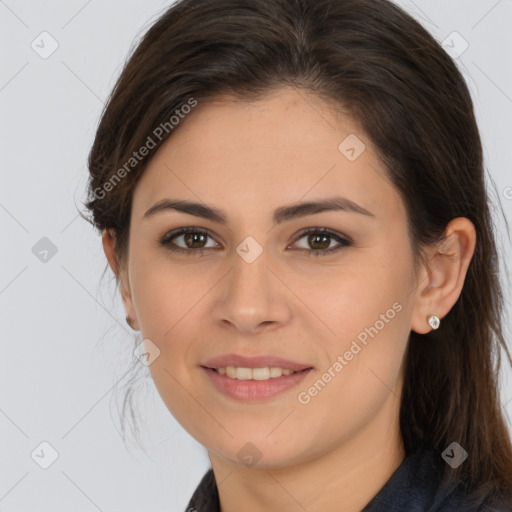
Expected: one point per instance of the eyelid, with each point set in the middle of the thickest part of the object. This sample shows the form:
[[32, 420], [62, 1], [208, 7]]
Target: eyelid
[[340, 237], [343, 241]]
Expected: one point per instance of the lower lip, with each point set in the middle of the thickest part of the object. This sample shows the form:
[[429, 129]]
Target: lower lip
[[253, 390]]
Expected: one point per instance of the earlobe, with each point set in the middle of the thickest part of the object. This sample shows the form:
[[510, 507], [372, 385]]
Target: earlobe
[[443, 274], [132, 322], [109, 242]]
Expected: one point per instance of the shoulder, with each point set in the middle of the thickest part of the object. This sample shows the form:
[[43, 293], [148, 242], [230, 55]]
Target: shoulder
[[418, 485], [454, 496], [479, 500]]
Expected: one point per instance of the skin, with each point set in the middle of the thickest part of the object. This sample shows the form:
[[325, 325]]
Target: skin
[[249, 158]]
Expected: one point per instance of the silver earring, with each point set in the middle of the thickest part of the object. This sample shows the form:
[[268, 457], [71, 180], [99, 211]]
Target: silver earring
[[434, 321]]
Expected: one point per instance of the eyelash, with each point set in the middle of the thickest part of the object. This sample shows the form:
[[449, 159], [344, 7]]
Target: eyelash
[[344, 241]]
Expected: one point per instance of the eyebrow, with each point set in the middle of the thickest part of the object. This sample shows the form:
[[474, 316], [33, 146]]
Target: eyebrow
[[281, 214]]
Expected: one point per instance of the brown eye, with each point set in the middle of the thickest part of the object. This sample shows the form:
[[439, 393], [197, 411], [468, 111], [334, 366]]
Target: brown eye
[[187, 240], [319, 241], [194, 240]]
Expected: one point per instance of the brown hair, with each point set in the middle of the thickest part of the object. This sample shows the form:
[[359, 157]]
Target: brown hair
[[375, 60]]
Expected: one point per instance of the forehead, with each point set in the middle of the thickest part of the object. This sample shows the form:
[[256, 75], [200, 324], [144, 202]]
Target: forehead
[[254, 155]]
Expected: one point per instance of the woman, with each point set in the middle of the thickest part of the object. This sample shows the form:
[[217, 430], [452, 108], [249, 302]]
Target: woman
[[292, 199]]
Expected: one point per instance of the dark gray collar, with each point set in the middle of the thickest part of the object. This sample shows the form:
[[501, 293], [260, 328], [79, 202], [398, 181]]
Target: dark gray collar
[[417, 485]]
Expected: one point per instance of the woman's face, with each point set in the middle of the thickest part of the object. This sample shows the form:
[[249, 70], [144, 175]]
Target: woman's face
[[254, 285]]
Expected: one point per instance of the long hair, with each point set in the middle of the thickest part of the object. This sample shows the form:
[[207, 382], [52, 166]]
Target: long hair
[[373, 60]]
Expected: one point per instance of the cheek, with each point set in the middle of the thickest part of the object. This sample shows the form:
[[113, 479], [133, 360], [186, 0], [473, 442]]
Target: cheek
[[168, 301], [362, 370], [366, 290], [365, 308], [162, 293], [167, 308]]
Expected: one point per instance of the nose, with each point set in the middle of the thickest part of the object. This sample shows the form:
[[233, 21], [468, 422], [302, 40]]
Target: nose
[[253, 297]]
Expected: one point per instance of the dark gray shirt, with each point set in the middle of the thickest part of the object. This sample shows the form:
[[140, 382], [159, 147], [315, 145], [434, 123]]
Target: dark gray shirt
[[415, 486]]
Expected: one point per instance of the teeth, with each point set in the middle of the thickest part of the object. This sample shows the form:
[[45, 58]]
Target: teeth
[[264, 373]]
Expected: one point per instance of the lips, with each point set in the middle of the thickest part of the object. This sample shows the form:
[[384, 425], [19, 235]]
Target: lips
[[261, 361]]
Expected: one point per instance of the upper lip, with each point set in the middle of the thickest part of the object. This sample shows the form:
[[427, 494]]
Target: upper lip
[[254, 362]]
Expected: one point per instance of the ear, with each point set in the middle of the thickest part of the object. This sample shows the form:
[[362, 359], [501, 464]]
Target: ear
[[442, 273], [109, 242]]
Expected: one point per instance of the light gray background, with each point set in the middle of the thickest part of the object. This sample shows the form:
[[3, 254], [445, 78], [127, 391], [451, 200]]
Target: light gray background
[[65, 347]]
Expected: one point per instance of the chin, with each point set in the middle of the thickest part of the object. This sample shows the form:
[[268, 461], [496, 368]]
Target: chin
[[259, 453]]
